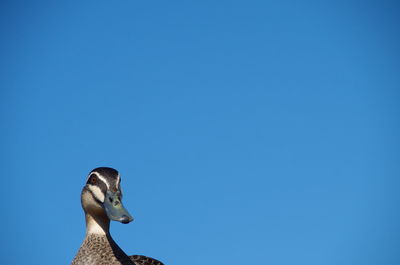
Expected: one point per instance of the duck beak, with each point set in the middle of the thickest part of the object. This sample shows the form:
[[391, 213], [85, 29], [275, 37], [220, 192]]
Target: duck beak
[[114, 208]]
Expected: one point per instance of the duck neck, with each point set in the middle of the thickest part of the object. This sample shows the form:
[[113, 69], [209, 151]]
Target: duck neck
[[99, 225]]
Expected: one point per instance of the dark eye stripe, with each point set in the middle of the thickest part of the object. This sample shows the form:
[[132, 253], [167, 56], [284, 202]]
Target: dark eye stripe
[[96, 181], [90, 178]]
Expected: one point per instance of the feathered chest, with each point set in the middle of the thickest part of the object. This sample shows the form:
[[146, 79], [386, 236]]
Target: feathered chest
[[100, 250]]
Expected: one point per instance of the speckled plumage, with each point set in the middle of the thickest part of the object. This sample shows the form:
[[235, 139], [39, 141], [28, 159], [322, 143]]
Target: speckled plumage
[[98, 247], [102, 250], [143, 260]]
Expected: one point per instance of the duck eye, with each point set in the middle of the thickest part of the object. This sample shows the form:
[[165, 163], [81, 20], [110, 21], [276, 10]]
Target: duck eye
[[93, 180]]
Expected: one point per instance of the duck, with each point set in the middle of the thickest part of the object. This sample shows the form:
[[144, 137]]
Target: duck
[[101, 200]]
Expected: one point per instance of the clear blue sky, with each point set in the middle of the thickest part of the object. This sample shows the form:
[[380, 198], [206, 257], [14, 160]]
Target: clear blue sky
[[246, 132]]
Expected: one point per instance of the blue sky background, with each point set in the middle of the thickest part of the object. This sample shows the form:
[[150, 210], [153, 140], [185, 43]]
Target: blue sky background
[[246, 132]]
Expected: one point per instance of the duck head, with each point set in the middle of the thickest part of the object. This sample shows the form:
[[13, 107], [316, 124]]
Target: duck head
[[101, 197]]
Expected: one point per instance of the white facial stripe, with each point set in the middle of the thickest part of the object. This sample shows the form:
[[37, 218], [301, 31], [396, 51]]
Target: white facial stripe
[[118, 181], [101, 178], [96, 192]]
